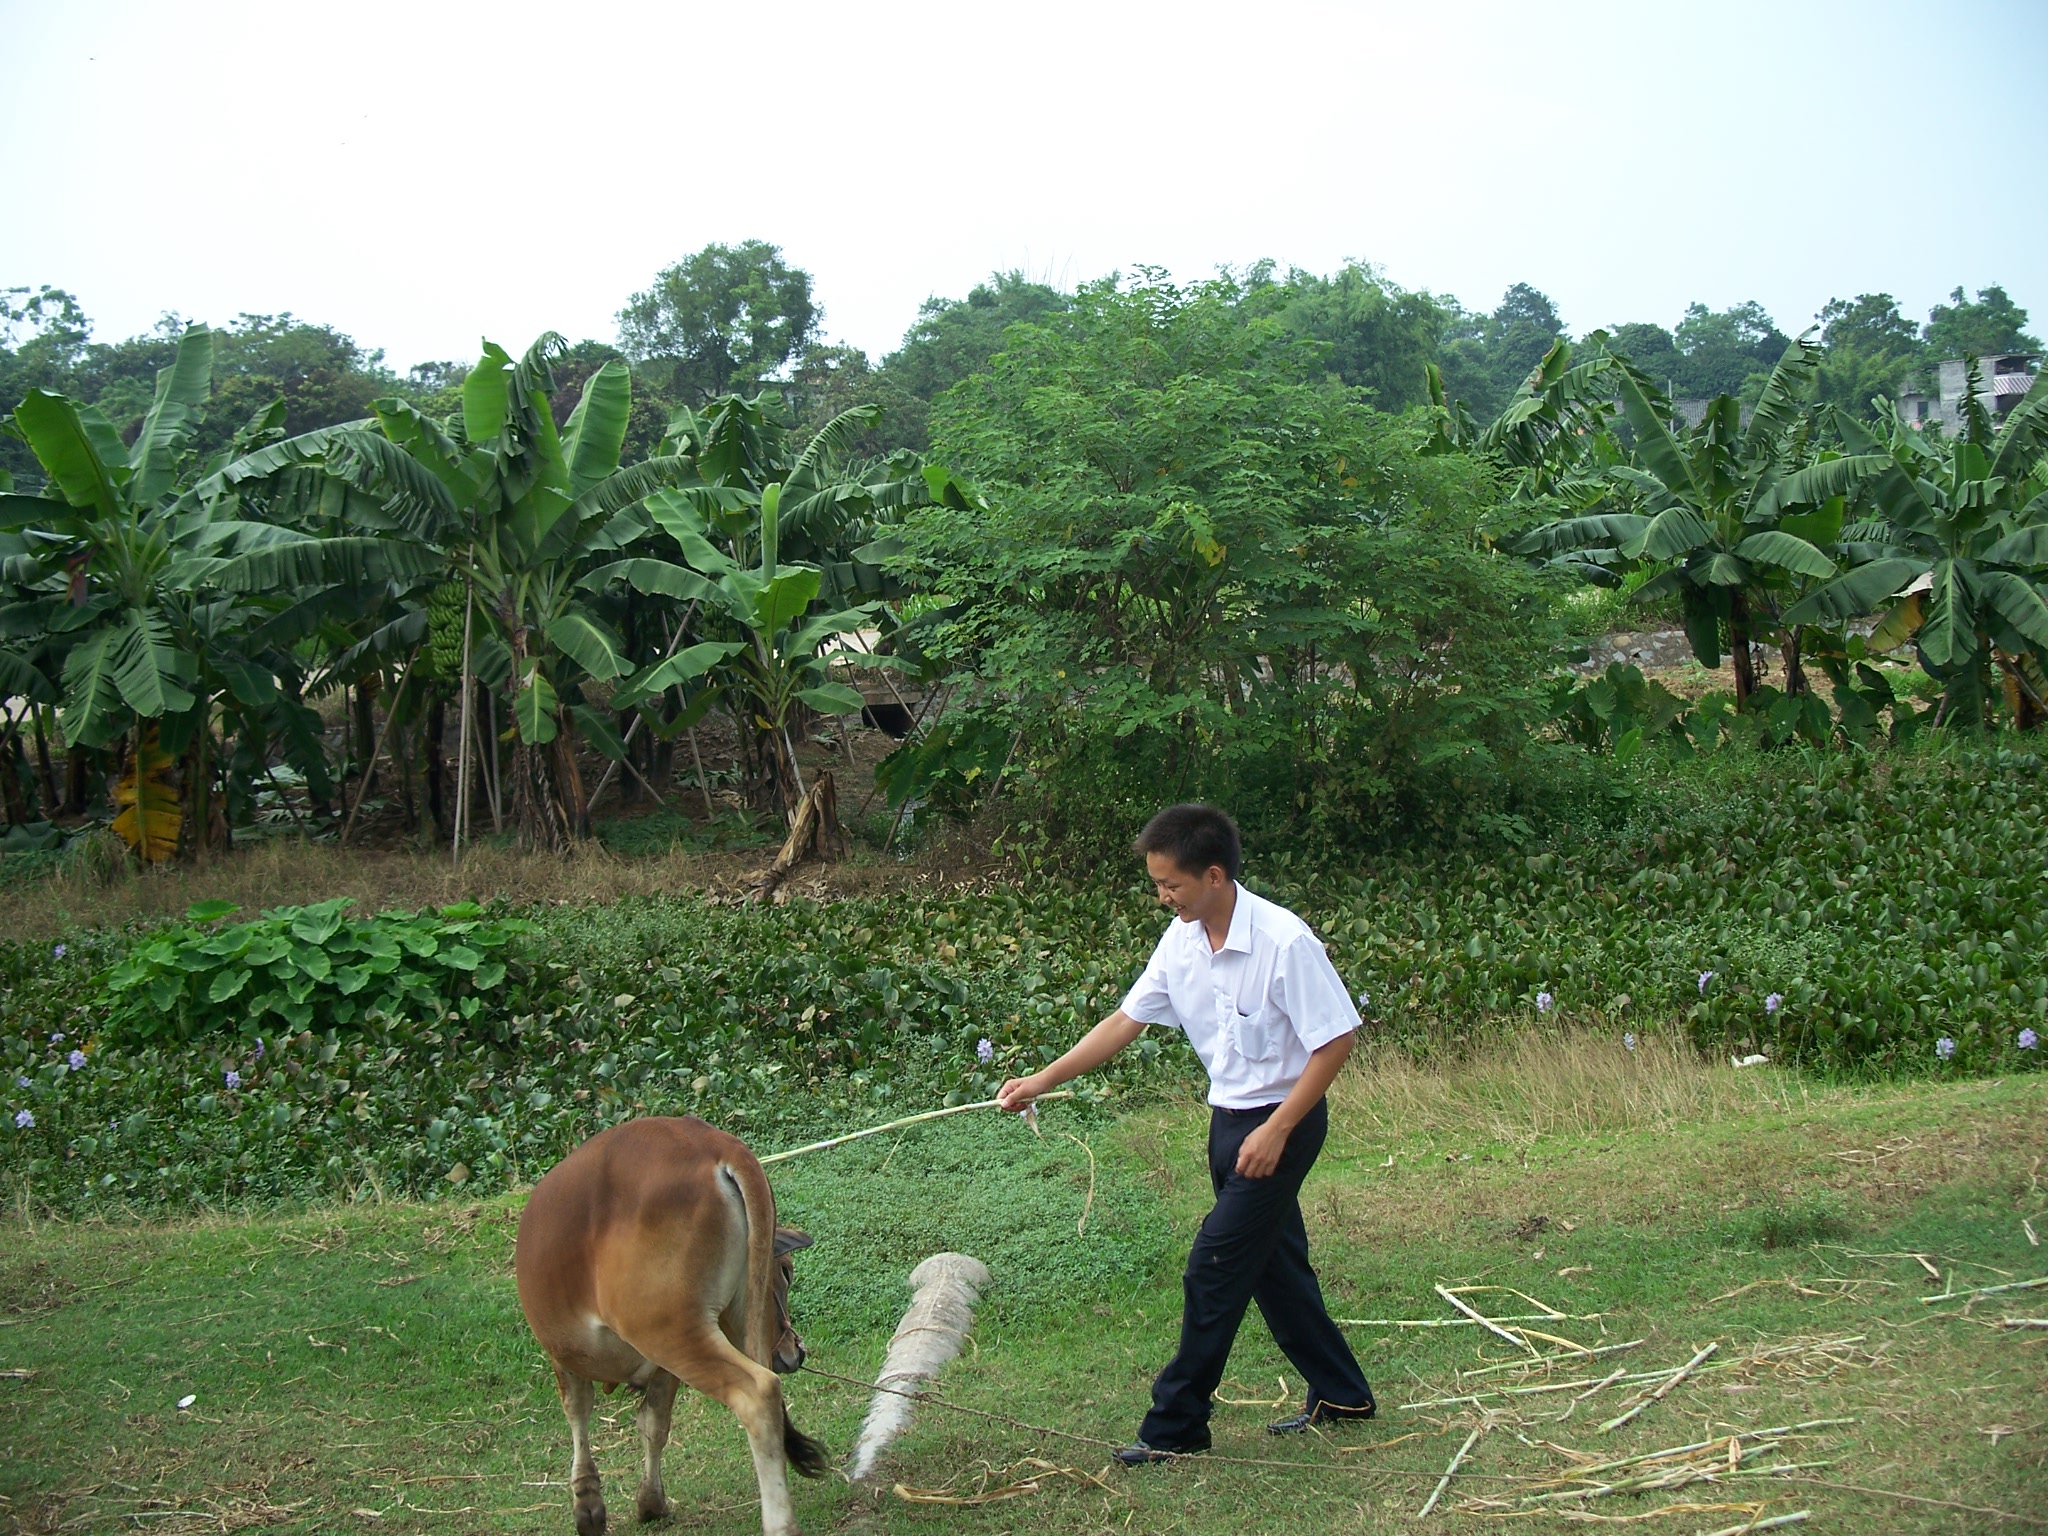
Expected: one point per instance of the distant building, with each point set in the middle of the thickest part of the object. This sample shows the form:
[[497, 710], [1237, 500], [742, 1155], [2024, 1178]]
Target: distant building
[[2004, 377]]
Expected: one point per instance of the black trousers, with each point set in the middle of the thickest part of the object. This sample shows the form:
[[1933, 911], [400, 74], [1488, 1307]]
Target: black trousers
[[1253, 1247]]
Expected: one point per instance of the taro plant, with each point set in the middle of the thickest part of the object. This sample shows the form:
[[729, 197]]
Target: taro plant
[[298, 968]]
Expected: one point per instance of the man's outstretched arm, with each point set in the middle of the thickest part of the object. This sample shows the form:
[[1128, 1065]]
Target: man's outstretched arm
[[1088, 1053]]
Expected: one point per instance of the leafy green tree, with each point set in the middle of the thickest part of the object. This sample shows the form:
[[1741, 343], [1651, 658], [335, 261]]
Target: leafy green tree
[[1652, 350], [1380, 336], [951, 340], [1205, 566], [1726, 352], [1951, 543], [727, 319], [1992, 323], [1870, 350], [1486, 358]]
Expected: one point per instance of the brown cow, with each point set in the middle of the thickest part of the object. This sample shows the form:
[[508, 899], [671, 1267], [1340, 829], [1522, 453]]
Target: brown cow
[[650, 1255]]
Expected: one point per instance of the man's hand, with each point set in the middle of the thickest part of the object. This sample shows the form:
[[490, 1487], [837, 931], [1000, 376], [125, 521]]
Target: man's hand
[[1259, 1153], [1018, 1092]]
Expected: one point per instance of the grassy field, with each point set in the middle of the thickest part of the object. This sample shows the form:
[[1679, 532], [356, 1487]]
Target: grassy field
[[366, 1367]]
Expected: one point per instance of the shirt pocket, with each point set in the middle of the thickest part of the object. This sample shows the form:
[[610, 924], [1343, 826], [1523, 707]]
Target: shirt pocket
[[1260, 1037]]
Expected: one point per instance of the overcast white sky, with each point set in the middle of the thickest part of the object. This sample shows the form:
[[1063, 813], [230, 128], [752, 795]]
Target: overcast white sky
[[422, 174]]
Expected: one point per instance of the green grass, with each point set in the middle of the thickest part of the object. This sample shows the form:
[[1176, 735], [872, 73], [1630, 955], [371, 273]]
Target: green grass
[[363, 1359]]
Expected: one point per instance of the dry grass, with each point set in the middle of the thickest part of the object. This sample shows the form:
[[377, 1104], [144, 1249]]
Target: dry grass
[[288, 873], [1532, 1085]]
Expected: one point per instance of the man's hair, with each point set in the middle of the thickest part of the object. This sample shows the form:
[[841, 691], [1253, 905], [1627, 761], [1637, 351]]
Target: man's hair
[[1194, 837]]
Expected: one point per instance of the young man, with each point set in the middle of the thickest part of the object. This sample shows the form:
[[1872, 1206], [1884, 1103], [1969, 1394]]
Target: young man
[[1264, 1009]]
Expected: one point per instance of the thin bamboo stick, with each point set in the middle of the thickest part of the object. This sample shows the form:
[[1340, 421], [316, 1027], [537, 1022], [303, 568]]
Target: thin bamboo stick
[[1776, 1522], [1682, 1372], [1449, 1472], [1485, 1322], [1572, 1354], [876, 1130], [1952, 1294], [1773, 1434], [1462, 1322]]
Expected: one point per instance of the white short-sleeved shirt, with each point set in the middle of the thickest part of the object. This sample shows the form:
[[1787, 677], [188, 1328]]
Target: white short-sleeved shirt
[[1252, 1010]]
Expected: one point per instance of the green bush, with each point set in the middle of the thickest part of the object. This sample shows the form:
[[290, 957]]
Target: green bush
[[297, 968]]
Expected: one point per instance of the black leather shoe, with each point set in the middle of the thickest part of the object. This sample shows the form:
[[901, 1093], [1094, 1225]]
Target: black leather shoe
[[1322, 1413], [1140, 1454]]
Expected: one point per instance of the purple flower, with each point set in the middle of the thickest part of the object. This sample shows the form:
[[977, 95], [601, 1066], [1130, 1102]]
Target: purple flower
[[23, 1119], [76, 1061], [234, 1078], [2028, 1039], [1705, 977], [1774, 1002], [58, 952], [20, 1082], [1543, 1002], [1365, 999], [57, 1038], [1629, 1040], [1944, 1047], [985, 1052], [259, 1047]]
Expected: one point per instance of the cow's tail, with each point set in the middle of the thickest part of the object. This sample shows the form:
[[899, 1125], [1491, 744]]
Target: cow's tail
[[759, 1202]]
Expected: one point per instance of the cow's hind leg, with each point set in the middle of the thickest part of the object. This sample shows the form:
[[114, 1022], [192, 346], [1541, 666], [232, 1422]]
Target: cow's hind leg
[[577, 1397], [655, 1406], [754, 1394]]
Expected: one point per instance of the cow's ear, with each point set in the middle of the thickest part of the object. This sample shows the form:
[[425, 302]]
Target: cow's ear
[[788, 1240]]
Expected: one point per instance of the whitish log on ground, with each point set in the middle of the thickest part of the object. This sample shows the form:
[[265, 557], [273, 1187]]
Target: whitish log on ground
[[945, 1288]]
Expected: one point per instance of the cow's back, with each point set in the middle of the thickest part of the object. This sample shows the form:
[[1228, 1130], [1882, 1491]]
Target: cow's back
[[635, 1224]]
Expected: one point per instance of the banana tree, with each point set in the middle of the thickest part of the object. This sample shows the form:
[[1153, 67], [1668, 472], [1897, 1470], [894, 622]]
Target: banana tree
[[149, 587], [1951, 544], [779, 659], [516, 509], [1708, 513]]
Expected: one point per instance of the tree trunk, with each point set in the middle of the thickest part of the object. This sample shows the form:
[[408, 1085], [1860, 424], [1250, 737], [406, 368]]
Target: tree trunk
[[436, 769], [572, 805], [11, 763], [52, 800], [2023, 698], [77, 781], [1795, 667], [1739, 648], [198, 792], [366, 732]]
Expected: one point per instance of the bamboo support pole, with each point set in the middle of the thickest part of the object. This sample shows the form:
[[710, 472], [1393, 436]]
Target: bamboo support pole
[[462, 727], [894, 1125]]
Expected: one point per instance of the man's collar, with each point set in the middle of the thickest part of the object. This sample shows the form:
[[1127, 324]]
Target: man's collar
[[1240, 937]]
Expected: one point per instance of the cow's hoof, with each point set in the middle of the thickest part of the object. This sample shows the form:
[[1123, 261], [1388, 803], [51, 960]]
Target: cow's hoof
[[590, 1518], [654, 1506]]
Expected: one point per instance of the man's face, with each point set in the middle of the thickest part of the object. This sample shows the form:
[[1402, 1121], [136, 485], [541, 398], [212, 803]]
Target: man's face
[[1191, 895]]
